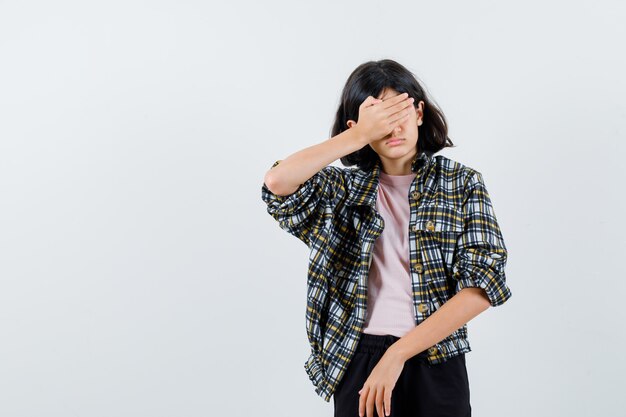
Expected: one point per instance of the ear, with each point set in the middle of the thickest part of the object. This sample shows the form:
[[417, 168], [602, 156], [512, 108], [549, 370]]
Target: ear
[[351, 123], [419, 113]]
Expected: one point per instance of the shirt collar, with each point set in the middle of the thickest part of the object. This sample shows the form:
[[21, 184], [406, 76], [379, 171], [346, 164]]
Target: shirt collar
[[365, 183]]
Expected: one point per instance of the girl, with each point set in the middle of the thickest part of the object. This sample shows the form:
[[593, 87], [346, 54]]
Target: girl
[[405, 249]]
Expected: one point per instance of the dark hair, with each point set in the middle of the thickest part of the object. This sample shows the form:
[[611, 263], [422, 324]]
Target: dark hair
[[371, 79]]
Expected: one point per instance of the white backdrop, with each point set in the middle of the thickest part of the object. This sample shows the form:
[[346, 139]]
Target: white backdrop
[[140, 273]]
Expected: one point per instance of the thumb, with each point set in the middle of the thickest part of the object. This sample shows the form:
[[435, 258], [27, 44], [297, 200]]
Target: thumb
[[369, 101]]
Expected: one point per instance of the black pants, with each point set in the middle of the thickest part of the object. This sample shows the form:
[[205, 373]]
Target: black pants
[[422, 390]]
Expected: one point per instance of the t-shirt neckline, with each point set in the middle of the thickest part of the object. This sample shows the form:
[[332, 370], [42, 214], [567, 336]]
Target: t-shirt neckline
[[396, 179]]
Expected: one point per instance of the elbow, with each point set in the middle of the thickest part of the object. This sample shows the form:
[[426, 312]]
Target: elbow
[[485, 300], [277, 186], [270, 182], [274, 185]]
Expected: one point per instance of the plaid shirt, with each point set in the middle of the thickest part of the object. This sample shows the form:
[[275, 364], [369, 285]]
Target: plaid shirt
[[454, 242]]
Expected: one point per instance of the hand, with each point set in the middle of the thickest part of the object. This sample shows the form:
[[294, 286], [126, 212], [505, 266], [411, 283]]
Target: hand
[[377, 388], [377, 118]]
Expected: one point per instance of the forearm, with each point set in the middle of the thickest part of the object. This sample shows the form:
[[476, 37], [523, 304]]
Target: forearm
[[458, 310], [298, 167]]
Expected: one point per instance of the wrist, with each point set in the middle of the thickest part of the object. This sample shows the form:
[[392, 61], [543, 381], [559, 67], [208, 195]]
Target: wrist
[[398, 352], [359, 136]]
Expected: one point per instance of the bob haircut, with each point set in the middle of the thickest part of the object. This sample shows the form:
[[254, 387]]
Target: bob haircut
[[371, 79]]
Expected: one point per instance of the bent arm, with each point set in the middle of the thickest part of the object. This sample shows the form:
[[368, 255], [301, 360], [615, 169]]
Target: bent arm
[[453, 314], [478, 273], [287, 175]]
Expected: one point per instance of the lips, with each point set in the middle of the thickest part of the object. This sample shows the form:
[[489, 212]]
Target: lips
[[394, 141]]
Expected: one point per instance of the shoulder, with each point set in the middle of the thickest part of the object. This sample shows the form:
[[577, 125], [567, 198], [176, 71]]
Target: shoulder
[[455, 170], [453, 166]]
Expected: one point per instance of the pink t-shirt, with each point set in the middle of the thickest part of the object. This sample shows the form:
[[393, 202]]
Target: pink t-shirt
[[390, 295]]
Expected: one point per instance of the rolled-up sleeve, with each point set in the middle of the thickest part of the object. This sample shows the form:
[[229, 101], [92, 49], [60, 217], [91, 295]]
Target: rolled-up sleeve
[[481, 255], [301, 213]]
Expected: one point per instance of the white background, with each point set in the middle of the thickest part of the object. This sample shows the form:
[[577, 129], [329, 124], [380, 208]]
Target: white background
[[140, 274]]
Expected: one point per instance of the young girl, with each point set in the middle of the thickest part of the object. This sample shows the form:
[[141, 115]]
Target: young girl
[[405, 249]]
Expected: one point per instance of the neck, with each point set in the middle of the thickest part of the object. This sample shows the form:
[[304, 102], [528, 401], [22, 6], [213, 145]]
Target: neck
[[397, 166]]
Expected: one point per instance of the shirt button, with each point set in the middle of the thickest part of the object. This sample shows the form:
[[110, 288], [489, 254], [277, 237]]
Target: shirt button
[[415, 195], [418, 268], [422, 308], [430, 225]]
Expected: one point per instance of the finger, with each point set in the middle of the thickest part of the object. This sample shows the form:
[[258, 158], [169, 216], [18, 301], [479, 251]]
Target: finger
[[379, 401], [398, 118], [399, 96], [404, 104], [392, 101], [369, 404], [387, 402], [362, 400], [369, 101]]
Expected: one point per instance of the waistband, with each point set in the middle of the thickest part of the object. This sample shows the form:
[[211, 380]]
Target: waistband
[[373, 344]]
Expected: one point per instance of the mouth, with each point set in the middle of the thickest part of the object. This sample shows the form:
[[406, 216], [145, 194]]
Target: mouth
[[394, 141]]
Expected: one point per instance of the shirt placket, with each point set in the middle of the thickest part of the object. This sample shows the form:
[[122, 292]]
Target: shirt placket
[[374, 229], [421, 305]]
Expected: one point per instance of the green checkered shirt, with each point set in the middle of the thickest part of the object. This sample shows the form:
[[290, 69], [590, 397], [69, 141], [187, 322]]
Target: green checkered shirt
[[454, 242]]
